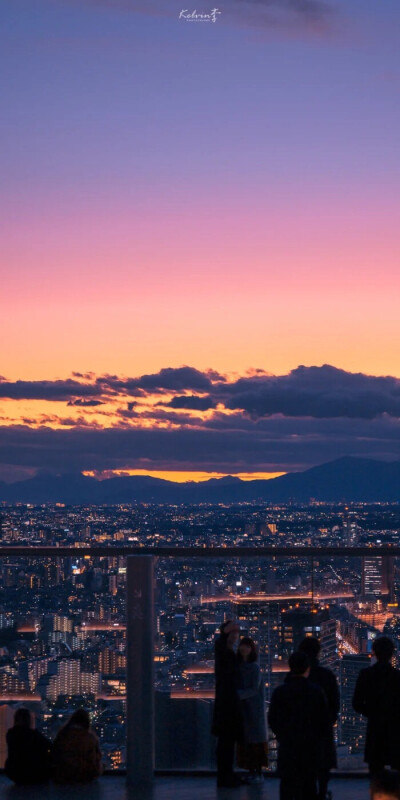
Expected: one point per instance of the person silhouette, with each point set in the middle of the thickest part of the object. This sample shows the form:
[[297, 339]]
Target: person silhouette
[[252, 751], [28, 760], [326, 680], [226, 724], [76, 756], [377, 697], [298, 715]]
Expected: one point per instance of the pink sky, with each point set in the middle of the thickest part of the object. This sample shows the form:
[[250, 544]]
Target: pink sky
[[221, 196]]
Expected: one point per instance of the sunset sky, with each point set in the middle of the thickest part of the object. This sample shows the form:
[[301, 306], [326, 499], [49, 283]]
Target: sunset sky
[[217, 196]]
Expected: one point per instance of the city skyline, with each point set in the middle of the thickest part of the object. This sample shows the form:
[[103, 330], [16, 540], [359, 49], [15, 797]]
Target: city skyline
[[66, 619]]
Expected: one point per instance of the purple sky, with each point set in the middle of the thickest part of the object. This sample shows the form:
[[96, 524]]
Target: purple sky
[[216, 195]]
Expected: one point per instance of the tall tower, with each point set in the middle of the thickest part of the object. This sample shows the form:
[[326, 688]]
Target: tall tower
[[377, 576]]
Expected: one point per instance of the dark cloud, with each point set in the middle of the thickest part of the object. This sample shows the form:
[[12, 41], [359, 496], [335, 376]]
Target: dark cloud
[[88, 376], [315, 392], [47, 390], [259, 422], [319, 392], [342, 429], [158, 414], [215, 376], [267, 445], [191, 401], [167, 379], [85, 403]]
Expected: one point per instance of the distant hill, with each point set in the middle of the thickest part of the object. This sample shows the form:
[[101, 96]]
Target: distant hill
[[345, 479]]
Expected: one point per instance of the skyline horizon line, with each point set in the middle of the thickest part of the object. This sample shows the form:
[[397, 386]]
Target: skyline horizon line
[[165, 475]]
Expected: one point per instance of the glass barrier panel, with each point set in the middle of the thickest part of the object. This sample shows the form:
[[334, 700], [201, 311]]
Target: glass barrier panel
[[63, 647]]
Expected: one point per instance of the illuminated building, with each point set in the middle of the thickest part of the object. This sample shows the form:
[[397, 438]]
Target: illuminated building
[[352, 725], [299, 623], [110, 661], [377, 576], [61, 623]]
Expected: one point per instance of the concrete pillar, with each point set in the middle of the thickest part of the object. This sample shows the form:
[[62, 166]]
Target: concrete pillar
[[140, 670]]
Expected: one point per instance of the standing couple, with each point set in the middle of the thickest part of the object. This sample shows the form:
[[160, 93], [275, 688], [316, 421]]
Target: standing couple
[[239, 711]]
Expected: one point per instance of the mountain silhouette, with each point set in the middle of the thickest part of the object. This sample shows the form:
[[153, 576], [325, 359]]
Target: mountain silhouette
[[346, 479]]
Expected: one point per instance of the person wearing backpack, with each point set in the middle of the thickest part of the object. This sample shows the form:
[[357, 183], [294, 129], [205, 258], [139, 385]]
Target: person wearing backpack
[[377, 697]]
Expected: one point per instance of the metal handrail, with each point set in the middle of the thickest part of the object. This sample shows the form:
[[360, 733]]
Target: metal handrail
[[195, 552]]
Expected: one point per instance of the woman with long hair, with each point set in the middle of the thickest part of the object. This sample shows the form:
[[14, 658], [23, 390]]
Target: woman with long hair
[[252, 751], [76, 756]]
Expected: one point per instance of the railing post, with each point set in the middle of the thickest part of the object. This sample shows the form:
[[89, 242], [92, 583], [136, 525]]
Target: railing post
[[140, 668]]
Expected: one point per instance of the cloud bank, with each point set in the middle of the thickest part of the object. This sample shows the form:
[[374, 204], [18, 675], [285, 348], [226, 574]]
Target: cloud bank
[[187, 419]]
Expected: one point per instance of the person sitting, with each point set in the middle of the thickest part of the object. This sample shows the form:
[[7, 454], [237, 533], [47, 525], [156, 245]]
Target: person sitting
[[386, 786], [76, 756], [28, 758]]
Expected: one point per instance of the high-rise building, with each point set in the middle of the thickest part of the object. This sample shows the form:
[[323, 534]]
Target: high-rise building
[[68, 679], [62, 623], [90, 683], [352, 725], [377, 576], [273, 528], [31, 671], [111, 660], [260, 618], [299, 623]]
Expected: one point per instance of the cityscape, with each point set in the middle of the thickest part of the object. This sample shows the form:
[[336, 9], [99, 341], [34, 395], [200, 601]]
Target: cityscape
[[63, 619]]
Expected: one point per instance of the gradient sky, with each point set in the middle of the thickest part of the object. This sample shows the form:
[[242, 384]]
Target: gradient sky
[[219, 195]]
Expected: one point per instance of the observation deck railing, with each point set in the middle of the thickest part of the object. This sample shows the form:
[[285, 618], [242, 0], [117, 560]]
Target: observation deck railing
[[140, 617]]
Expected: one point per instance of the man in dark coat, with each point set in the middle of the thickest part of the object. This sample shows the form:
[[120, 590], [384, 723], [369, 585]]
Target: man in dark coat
[[377, 697], [299, 717], [28, 759], [326, 680], [227, 720]]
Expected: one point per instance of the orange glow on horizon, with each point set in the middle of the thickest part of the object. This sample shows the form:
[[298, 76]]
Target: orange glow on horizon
[[182, 477]]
